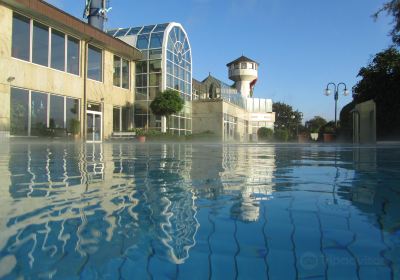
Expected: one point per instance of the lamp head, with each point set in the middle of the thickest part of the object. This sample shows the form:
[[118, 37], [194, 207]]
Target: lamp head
[[327, 92]]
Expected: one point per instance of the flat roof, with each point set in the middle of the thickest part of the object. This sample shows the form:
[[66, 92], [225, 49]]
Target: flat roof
[[56, 17]]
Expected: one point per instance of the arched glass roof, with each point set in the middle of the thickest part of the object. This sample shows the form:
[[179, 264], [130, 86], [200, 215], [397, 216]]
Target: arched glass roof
[[138, 30], [152, 36]]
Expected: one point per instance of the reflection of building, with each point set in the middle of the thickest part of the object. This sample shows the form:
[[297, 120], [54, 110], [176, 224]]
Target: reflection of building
[[237, 171], [230, 111], [88, 201], [167, 64], [57, 70]]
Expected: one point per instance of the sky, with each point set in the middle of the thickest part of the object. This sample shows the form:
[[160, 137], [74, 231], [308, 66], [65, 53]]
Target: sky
[[301, 45]]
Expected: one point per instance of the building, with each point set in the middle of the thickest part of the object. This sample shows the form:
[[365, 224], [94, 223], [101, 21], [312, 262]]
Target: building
[[231, 112], [166, 64], [58, 70], [61, 74]]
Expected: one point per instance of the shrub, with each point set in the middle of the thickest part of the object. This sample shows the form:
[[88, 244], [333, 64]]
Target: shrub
[[328, 128], [281, 135], [265, 133]]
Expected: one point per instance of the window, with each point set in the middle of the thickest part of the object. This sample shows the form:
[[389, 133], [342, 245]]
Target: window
[[44, 111], [125, 74], [155, 65], [155, 54], [121, 118], [156, 40], [57, 50], [141, 67], [19, 112], [56, 112], [63, 50], [40, 44], [143, 41], [147, 29], [73, 56], [125, 117], [95, 63], [141, 80], [116, 119], [155, 79], [117, 71], [71, 112], [141, 94], [121, 72], [153, 92], [20, 37], [38, 113], [244, 65]]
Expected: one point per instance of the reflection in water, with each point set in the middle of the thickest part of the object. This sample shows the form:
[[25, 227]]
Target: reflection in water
[[198, 210]]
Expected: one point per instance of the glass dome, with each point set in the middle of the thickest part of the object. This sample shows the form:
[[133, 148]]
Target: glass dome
[[167, 64]]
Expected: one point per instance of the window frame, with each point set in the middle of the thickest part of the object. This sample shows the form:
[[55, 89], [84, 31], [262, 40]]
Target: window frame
[[48, 109], [121, 72], [49, 54], [102, 63]]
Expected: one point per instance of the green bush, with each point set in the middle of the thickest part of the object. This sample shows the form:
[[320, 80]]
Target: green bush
[[281, 135], [328, 128], [265, 133]]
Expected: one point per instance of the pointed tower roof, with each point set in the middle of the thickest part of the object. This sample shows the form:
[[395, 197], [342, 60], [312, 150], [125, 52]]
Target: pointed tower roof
[[242, 59]]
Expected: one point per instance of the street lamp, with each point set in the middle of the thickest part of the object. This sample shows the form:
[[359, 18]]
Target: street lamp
[[297, 122], [336, 94]]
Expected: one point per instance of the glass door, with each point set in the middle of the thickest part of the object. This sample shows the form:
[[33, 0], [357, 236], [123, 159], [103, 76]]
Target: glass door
[[94, 126]]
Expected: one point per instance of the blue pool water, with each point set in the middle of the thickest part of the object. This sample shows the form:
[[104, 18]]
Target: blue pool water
[[199, 211]]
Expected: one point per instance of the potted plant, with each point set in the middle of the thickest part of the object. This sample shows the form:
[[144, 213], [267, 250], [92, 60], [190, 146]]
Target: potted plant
[[167, 103], [314, 134], [329, 132], [140, 135], [314, 125]]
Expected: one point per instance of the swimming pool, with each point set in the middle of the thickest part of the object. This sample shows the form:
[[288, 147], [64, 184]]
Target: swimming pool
[[199, 211]]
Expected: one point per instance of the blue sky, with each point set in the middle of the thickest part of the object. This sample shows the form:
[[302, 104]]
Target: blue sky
[[300, 45]]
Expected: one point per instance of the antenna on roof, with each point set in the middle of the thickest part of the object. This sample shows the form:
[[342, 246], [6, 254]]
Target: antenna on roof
[[96, 12]]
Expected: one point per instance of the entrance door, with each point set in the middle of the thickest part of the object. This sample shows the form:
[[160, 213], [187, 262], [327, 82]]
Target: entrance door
[[94, 126]]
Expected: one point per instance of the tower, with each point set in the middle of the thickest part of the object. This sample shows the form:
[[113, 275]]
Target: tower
[[244, 72]]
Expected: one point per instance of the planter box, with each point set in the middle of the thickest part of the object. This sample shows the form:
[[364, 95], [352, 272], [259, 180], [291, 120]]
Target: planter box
[[329, 137], [141, 138], [302, 138]]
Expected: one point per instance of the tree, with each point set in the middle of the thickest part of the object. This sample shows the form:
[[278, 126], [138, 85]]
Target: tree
[[380, 81], [286, 118], [167, 103], [392, 8], [315, 124]]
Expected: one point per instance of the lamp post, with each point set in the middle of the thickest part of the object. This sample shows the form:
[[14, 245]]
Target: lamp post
[[293, 117], [336, 94]]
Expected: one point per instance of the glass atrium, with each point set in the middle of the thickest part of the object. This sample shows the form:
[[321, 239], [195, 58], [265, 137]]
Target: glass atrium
[[167, 64]]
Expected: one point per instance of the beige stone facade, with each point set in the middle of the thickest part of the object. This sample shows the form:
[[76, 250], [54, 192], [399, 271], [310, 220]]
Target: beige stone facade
[[226, 121], [17, 73]]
